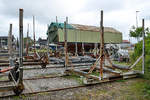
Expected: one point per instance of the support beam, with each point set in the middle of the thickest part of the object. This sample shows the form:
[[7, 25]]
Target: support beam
[[83, 48], [56, 20], [21, 45], [76, 44], [65, 42], [143, 34], [27, 42], [10, 47], [101, 45], [34, 35], [48, 49]]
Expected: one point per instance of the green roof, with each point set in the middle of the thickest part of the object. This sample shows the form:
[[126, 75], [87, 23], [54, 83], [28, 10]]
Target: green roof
[[61, 25]]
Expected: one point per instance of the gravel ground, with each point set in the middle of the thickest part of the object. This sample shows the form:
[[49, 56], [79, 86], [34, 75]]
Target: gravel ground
[[104, 91], [43, 85], [40, 72]]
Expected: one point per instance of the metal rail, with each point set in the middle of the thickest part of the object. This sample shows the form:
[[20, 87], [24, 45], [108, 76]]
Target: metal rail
[[71, 87]]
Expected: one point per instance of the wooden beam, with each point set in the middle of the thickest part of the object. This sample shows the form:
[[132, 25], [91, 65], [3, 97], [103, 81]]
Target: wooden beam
[[101, 45]]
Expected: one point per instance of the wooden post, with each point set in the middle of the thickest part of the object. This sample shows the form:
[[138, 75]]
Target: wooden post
[[95, 49], [27, 41], [48, 49], [76, 44], [56, 20], [10, 40], [21, 45], [65, 42], [143, 63], [57, 33], [10, 47], [82, 48], [34, 36], [101, 45]]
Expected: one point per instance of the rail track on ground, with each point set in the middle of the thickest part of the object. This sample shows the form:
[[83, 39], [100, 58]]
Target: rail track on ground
[[54, 90]]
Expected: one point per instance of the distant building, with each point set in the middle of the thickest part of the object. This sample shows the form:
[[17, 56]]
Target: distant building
[[126, 44], [81, 34], [42, 42], [4, 41]]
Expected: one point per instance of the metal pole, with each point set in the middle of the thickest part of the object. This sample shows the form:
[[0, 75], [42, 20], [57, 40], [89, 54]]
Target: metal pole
[[101, 45], [65, 40], [137, 19], [21, 45], [34, 35], [143, 63], [27, 42]]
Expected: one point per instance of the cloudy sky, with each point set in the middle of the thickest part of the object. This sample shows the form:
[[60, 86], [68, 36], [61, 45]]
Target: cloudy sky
[[120, 14]]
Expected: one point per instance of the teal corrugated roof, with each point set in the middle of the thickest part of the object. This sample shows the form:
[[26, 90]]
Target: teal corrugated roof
[[61, 25]]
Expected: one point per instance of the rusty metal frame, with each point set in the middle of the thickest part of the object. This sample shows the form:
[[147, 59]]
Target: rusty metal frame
[[101, 59]]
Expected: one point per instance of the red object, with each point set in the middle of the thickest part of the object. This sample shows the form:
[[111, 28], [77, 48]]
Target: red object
[[6, 69]]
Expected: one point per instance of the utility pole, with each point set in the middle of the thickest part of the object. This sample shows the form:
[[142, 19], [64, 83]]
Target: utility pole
[[137, 19]]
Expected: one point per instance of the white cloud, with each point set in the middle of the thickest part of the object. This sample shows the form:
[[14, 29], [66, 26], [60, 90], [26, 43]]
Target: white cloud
[[119, 14]]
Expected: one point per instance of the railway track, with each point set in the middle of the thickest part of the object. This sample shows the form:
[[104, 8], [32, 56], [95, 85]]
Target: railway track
[[51, 90], [35, 78], [54, 90], [50, 67]]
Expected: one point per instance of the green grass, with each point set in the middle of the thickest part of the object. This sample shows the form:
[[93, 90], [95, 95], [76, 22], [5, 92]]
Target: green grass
[[75, 77], [121, 80], [122, 63]]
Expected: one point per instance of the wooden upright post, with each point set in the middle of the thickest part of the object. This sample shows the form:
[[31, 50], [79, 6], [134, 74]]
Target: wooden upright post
[[76, 44], [65, 42], [21, 45], [56, 20], [143, 63], [83, 48], [10, 40], [10, 47], [34, 35], [27, 41], [101, 45]]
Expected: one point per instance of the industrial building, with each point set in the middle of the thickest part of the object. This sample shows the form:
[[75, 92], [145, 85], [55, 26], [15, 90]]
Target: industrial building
[[4, 41], [81, 34]]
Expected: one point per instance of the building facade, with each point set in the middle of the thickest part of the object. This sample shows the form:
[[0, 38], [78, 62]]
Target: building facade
[[82, 34]]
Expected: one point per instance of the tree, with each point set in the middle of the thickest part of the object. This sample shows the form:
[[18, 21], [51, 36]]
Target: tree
[[137, 32]]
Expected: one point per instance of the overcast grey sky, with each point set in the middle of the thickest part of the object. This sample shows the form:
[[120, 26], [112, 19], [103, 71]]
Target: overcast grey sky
[[119, 14]]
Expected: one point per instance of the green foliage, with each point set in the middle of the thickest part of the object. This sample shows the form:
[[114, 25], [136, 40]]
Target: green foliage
[[137, 32], [139, 46], [138, 52]]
